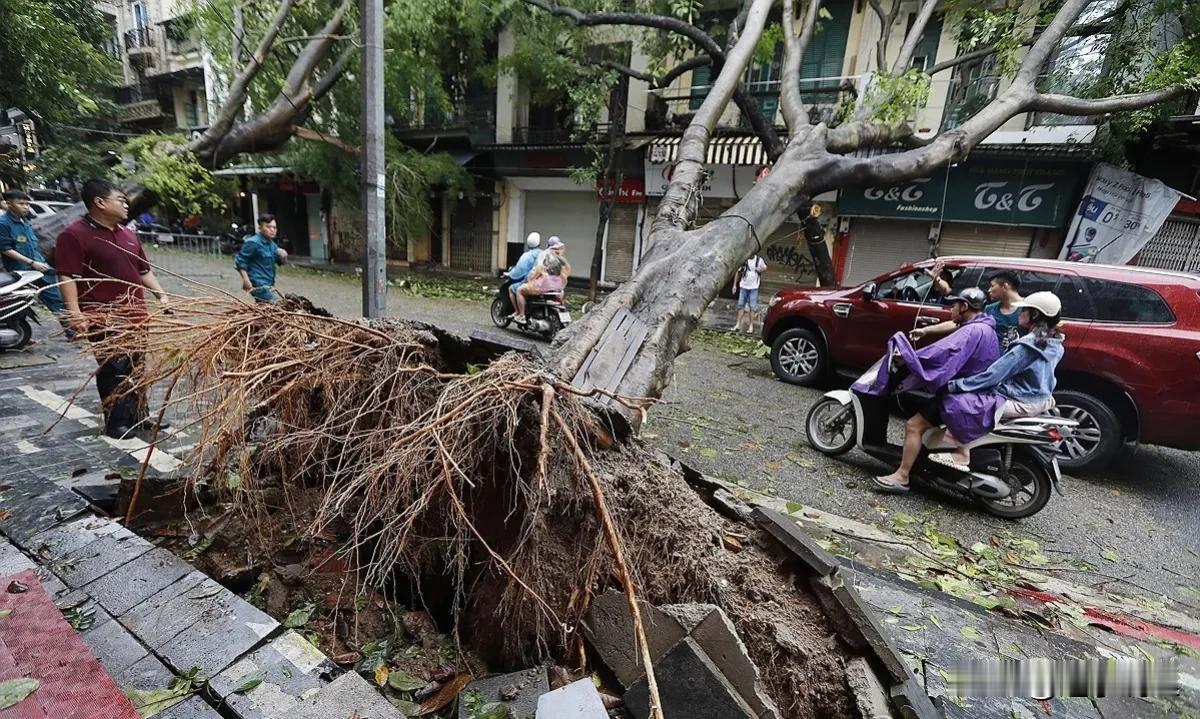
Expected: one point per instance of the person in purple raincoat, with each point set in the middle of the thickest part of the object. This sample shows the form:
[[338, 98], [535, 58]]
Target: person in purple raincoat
[[967, 351]]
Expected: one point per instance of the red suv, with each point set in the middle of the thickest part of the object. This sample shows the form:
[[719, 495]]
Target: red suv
[[1132, 367]]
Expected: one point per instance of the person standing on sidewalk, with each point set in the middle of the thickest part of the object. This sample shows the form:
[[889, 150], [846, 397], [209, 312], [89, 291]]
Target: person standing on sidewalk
[[104, 272], [19, 250], [256, 261], [747, 281]]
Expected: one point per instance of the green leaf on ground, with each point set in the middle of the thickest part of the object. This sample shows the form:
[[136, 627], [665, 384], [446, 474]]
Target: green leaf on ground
[[14, 691], [1110, 555], [1012, 650], [912, 627], [5, 613], [793, 507], [405, 707], [300, 617], [709, 453], [937, 622], [208, 593], [971, 633], [405, 682], [250, 683], [891, 620], [897, 610], [149, 702]]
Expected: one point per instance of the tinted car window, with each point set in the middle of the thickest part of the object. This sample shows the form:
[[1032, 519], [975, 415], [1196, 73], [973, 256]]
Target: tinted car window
[[1076, 305], [1121, 302], [917, 286]]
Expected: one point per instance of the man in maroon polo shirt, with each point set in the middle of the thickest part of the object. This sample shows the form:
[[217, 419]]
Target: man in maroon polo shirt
[[103, 270]]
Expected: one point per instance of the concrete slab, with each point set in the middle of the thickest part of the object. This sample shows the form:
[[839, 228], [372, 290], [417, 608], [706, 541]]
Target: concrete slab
[[519, 691], [690, 686], [346, 696], [13, 560], [719, 639], [146, 674], [226, 627], [167, 613], [34, 504], [105, 555], [796, 540], [58, 542], [113, 645], [193, 708], [289, 667], [131, 584], [609, 629], [577, 700]]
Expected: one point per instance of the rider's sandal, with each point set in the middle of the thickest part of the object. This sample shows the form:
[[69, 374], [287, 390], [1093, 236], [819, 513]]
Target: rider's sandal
[[949, 461], [888, 487]]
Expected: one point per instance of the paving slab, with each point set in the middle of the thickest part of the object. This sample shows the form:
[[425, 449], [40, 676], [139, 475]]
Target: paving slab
[[719, 639], [691, 687], [58, 542], [226, 627], [609, 629], [344, 697], [167, 613], [33, 504], [112, 644], [519, 691], [291, 670], [131, 584], [13, 560], [103, 556], [577, 700], [192, 708], [796, 540]]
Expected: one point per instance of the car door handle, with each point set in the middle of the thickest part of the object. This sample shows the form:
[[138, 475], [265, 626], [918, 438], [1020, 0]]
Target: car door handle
[[927, 321]]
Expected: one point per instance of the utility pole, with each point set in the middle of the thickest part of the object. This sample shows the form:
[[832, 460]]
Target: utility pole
[[374, 275]]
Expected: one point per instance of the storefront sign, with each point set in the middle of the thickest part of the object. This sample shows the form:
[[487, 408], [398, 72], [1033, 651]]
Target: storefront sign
[[631, 192], [1118, 215], [1008, 193]]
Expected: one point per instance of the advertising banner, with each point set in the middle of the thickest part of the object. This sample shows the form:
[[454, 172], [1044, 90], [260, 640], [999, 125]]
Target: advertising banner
[[1119, 213]]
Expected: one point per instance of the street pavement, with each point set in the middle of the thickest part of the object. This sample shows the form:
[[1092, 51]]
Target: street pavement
[[727, 416]]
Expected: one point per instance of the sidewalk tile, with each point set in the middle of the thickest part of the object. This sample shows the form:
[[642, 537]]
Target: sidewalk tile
[[130, 585], [289, 666], [167, 613], [113, 645], [194, 708], [345, 696], [101, 557], [35, 504]]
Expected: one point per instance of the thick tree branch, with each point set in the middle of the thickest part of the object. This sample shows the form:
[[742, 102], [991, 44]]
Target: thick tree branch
[[240, 86], [794, 47], [886, 20], [904, 59], [1048, 41], [311, 135], [661, 22], [1067, 105], [1088, 30], [691, 63], [330, 78]]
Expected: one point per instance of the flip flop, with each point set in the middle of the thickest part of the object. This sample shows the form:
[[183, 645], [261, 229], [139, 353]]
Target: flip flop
[[886, 487], [949, 461]]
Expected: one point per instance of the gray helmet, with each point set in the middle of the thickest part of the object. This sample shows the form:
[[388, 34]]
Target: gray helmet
[[972, 296]]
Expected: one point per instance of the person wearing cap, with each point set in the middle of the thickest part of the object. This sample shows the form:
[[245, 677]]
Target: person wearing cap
[[1024, 375], [525, 264], [559, 248], [967, 351]]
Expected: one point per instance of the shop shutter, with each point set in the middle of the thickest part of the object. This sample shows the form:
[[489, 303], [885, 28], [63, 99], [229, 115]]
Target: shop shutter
[[622, 234], [964, 238], [1176, 246], [573, 216], [471, 235], [878, 246]]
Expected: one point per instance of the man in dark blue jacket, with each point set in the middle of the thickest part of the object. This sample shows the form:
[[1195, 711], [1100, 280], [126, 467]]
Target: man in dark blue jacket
[[256, 261]]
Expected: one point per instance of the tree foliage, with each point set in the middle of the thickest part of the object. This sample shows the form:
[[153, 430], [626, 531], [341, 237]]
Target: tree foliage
[[53, 65], [179, 181]]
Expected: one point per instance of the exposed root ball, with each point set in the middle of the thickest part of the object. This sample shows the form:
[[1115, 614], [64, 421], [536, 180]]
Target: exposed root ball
[[463, 476]]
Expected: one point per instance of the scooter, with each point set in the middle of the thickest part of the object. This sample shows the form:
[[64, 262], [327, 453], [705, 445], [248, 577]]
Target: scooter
[[545, 314], [18, 293], [1012, 470]]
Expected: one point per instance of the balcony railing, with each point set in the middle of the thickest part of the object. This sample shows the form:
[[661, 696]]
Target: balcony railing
[[141, 38], [138, 93], [559, 135]]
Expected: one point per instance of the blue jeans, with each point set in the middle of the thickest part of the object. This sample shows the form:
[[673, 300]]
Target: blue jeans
[[748, 299], [266, 295], [52, 298]]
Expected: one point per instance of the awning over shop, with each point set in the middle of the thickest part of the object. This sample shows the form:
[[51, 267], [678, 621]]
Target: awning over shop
[[721, 151]]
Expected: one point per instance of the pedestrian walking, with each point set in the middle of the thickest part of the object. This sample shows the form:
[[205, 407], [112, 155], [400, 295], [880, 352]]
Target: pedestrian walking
[[256, 261], [747, 280], [104, 273], [19, 250]]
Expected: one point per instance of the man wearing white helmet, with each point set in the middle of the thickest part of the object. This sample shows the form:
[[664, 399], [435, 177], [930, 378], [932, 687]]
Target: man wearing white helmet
[[520, 271]]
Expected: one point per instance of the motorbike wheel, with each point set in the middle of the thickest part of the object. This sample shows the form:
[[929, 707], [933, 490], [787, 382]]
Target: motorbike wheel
[[831, 427], [1031, 484], [499, 318], [555, 326], [24, 333]]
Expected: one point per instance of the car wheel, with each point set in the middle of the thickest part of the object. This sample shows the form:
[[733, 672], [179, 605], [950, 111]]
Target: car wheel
[[1097, 439], [798, 356]]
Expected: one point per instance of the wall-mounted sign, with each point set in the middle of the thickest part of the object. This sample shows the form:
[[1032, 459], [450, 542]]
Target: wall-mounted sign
[[1004, 193]]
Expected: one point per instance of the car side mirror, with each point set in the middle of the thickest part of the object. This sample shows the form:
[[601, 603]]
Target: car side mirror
[[868, 291]]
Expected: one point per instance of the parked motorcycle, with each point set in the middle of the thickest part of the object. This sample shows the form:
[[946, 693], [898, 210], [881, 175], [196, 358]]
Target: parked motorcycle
[[545, 314], [1012, 470], [18, 293]]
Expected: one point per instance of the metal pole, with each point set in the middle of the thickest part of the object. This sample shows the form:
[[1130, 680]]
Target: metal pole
[[374, 276]]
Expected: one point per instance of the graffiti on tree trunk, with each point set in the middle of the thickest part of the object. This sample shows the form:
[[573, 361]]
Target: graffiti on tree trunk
[[787, 256]]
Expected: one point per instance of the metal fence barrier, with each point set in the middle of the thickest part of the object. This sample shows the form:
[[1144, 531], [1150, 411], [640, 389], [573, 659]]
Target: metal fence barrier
[[190, 256]]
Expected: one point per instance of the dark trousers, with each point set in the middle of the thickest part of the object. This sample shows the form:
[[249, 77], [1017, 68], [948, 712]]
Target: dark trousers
[[122, 407]]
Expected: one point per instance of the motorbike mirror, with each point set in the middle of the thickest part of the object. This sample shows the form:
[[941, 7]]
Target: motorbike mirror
[[868, 291]]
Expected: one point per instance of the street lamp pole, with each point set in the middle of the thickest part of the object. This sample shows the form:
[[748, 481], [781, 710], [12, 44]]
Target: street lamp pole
[[374, 276]]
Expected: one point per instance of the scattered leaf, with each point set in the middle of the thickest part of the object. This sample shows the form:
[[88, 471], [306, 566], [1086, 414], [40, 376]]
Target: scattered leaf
[[446, 694], [937, 622], [5, 514], [793, 507], [891, 620], [912, 627], [971, 633], [1110, 555], [404, 682], [80, 618], [732, 543], [208, 593], [150, 702], [249, 685], [709, 453], [897, 610], [300, 617], [404, 706], [14, 691], [5, 613], [382, 674], [947, 676]]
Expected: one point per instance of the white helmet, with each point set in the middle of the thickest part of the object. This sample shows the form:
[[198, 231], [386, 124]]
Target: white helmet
[[533, 240], [1045, 302]]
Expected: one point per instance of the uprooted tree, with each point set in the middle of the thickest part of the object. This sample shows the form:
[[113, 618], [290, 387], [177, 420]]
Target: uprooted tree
[[508, 483]]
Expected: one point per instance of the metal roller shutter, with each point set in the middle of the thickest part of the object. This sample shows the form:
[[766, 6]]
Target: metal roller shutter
[[1176, 246], [622, 233], [962, 238], [573, 216], [471, 235], [878, 246]]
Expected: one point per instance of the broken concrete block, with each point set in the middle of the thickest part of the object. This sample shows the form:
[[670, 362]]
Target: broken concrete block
[[719, 639], [691, 687], [577, 700], [856, 624], [519, 691], [911, 702], [870, 696], [346, 696], [609, 629], [289, 668], [796, 540]]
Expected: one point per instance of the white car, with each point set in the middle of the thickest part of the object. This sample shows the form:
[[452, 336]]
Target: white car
[[37, 208]]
